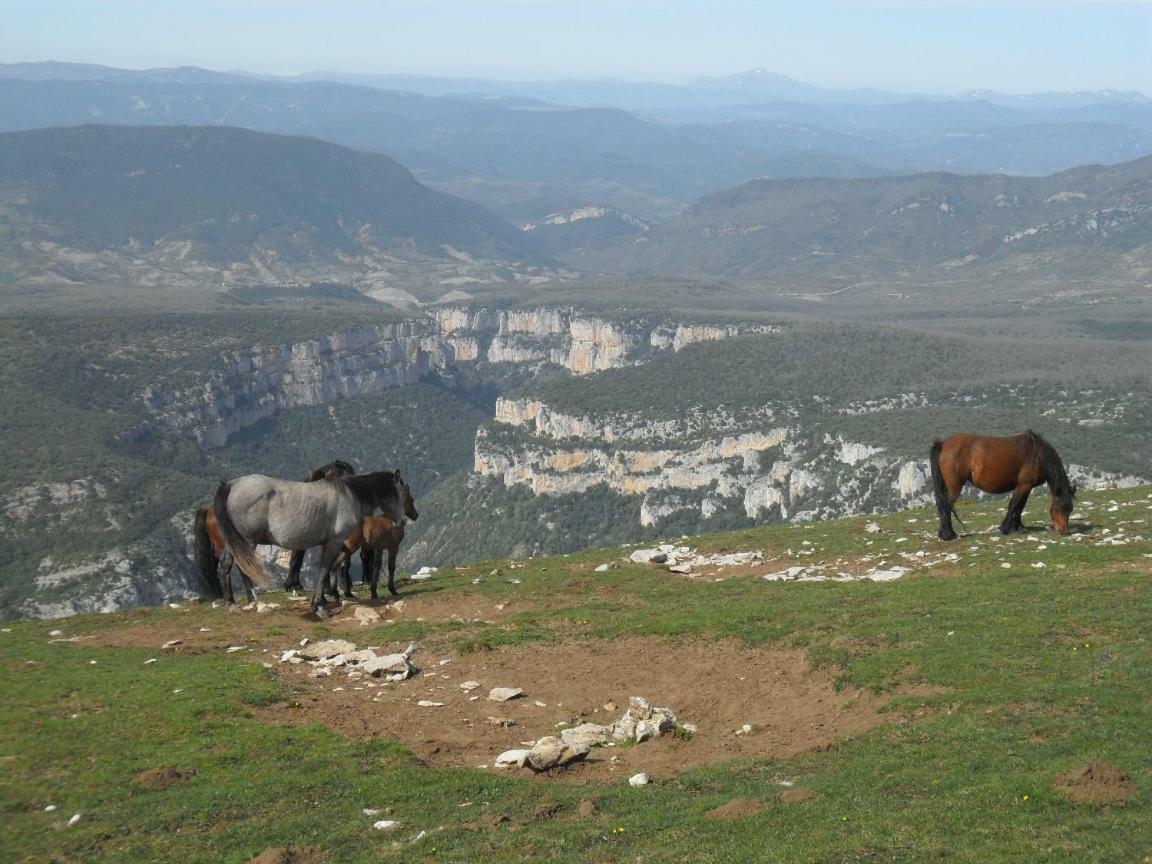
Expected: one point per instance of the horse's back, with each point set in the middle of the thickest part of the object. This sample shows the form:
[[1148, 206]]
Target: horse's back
[[288, 513], [994, 463]]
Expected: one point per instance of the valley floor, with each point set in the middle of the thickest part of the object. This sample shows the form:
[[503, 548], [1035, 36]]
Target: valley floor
[[860, 690]]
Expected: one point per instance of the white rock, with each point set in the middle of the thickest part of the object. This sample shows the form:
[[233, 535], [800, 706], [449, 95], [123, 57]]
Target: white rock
[[641, 779], [365, 615], [872, 527], [469, 686], [551, 752], [371, 811], [149, 661], [51, 808], [512, 757], [586, 734], [327, 648], [73, 820], [172, 643], [503, 694], [234, 648], [385, 825], [648, 556], [426, 703], [603, 568]]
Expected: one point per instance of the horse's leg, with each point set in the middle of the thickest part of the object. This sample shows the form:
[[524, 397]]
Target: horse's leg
[[346, 577], [292, 583], [372, 571], [1015, 506], [366, 564], [332, 552], [393, 552], [226, 578], [1018, 517]]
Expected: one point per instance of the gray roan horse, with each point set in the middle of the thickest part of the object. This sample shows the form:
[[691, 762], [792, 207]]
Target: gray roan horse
[[257, 509], [330, 471]]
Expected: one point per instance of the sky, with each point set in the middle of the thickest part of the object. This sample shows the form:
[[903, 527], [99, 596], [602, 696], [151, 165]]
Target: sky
[[927, 46]]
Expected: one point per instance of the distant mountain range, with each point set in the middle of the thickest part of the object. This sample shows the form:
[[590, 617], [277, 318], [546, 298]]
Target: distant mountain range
[[206, 204], [528, 150], [1087, 223]]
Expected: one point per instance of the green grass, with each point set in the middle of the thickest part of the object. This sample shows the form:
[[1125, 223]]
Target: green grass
[[1025, 673]]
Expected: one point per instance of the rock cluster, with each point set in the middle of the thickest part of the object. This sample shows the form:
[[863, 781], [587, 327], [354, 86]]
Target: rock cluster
[[641, 722], [335, 653]]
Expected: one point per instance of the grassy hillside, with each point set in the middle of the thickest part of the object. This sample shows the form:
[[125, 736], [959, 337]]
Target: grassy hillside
[[964, 692]]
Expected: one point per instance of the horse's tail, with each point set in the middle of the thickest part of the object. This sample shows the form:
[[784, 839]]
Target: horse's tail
[[242, 551], [206, 561], [938, 485]]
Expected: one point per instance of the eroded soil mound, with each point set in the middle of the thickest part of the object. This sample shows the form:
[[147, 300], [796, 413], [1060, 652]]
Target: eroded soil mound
[[1096, 783], [292, 855], [162, 778], [737, 808]]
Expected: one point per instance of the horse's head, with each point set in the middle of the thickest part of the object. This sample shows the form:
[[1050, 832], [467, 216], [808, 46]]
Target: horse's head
[[409, 501], [1061, 508]]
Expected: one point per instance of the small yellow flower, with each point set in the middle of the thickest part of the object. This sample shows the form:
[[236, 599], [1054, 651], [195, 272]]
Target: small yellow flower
[[1025, 797]]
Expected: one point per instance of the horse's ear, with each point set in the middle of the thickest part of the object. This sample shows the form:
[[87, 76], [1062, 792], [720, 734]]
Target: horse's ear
[[396, 474]]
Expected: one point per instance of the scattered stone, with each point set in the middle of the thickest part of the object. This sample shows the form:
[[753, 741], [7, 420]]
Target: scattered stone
[[265, 608], [427, 703], [55, 632], [386, 825], [398, 606], [469, 686], [171, 643], [232, 649], [366, 615], [501, 722], [872, 527], [648, 556], [550, 752], [73, 820], [682, 569], [327, 648], [603, 568], [641, 779], [641, 721], [150, 661], [51, 808], [503, 694], [371, 811], [394, 667], [422, 574], [744, 730]]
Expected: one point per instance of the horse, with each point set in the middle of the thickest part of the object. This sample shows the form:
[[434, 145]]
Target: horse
[[330, 471], [375, 534], [1016, 464], [296, 516]]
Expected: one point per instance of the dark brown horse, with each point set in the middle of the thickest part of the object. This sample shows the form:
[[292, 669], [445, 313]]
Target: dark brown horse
[[1016, 464], [325, 472], [213, 561]]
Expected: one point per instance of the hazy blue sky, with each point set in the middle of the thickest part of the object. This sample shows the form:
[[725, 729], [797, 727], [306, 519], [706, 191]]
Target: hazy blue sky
[[923, 45]]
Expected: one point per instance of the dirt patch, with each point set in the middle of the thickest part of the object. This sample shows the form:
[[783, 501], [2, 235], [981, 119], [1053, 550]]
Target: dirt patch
[[293, 855], [721, 687], [161, 778], [797, 796], [737, 808], [1096, 783]]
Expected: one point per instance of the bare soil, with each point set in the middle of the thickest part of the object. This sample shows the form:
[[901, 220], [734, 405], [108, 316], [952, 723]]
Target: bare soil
[[292, 855], [718, 686], [1096, 783], [737, 808], [161, 778]]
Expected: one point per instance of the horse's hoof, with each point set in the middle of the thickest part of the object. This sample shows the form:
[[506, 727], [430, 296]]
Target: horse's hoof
[[947, 535], [322, 613]]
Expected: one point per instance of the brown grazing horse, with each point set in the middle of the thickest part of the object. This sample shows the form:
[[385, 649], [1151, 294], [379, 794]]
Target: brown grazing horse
[[330, 471], [1016, 464], [375, 534]]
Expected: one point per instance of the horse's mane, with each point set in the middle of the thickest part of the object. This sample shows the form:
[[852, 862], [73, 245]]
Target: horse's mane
[[338, 467], [1058, 483], [372, 488]]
